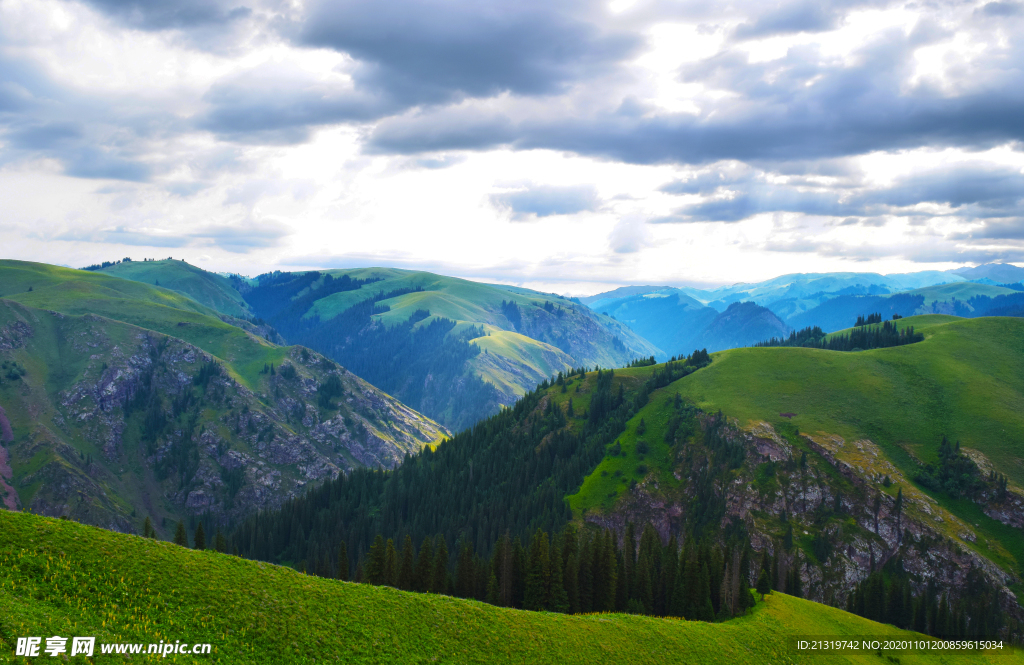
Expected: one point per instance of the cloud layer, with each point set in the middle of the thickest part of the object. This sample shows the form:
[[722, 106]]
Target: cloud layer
[[854, 129]]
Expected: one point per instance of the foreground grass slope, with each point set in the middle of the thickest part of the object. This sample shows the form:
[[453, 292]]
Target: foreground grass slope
[[62, 578]]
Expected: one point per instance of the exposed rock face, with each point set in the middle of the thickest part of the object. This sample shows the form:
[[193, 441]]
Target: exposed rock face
[[932, 543], [149, 425]]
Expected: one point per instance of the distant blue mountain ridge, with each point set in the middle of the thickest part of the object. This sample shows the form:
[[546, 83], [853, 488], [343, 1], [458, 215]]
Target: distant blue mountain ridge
[[680, 319]]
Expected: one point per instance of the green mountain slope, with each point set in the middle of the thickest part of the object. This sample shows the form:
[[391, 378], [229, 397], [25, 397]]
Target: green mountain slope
[[156, 407], [965, 380], [455, 349], [79, 292], [62, 578], [204, 287]]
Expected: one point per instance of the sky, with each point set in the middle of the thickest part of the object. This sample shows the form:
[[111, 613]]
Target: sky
[[563, 145]]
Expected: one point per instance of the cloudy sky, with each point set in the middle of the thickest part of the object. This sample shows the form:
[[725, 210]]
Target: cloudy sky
[[565, 145]]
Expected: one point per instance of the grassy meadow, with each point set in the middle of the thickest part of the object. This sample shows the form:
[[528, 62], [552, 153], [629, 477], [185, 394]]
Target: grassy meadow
[[62, 578]]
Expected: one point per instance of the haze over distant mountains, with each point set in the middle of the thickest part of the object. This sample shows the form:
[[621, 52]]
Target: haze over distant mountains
[[677, 320]]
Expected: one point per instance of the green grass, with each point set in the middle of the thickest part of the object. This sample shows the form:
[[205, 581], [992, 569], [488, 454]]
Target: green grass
[[79, 292], [613, 476], [965, 380], [62, 578], [544, 359], [475, 304], [204, 287]]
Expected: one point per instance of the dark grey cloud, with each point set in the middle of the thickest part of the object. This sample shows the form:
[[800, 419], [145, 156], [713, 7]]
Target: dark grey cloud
[[992, 188], [423, 51], [1002, 229], [783, 18], [171, 14], [1000, 9], [81, 154], [451, 129], [802, 107], [278, 106], [545, 201], [972, 190]]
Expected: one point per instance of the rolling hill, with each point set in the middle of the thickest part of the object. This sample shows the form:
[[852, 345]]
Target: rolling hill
[[248, 610], [122, 400], [204, 287], [455, 349], [965, 381]]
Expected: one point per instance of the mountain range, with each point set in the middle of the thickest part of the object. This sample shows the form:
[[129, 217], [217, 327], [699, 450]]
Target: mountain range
[[677, 320]]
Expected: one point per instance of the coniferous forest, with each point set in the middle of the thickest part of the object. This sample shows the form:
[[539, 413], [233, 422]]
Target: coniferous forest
[[865, 335]]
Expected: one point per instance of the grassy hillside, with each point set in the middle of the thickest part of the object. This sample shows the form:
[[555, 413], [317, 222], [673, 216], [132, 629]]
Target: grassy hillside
[[122, 400], [965, 380], [62, 578], [454, 349], [204, 287], [473, 302], [80, 292]]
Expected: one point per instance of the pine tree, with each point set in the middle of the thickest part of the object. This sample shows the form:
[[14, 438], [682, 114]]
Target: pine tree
[[465, 571], [705, 608], [795, 585], [572, 583], [219, 543], [629, 560], [424, 565], [763, 585], [558, 598], [535, 595], [342, 566], [180, 536], [390, 577], [406, 571], [677, 603], [586, 572], [147, 529], [645, 583], [493, 594], [199, 539], [375, 562], [439, 575]]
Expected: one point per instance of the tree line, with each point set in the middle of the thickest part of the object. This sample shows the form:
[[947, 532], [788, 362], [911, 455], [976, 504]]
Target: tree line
[[860, 338], [570, 571]]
